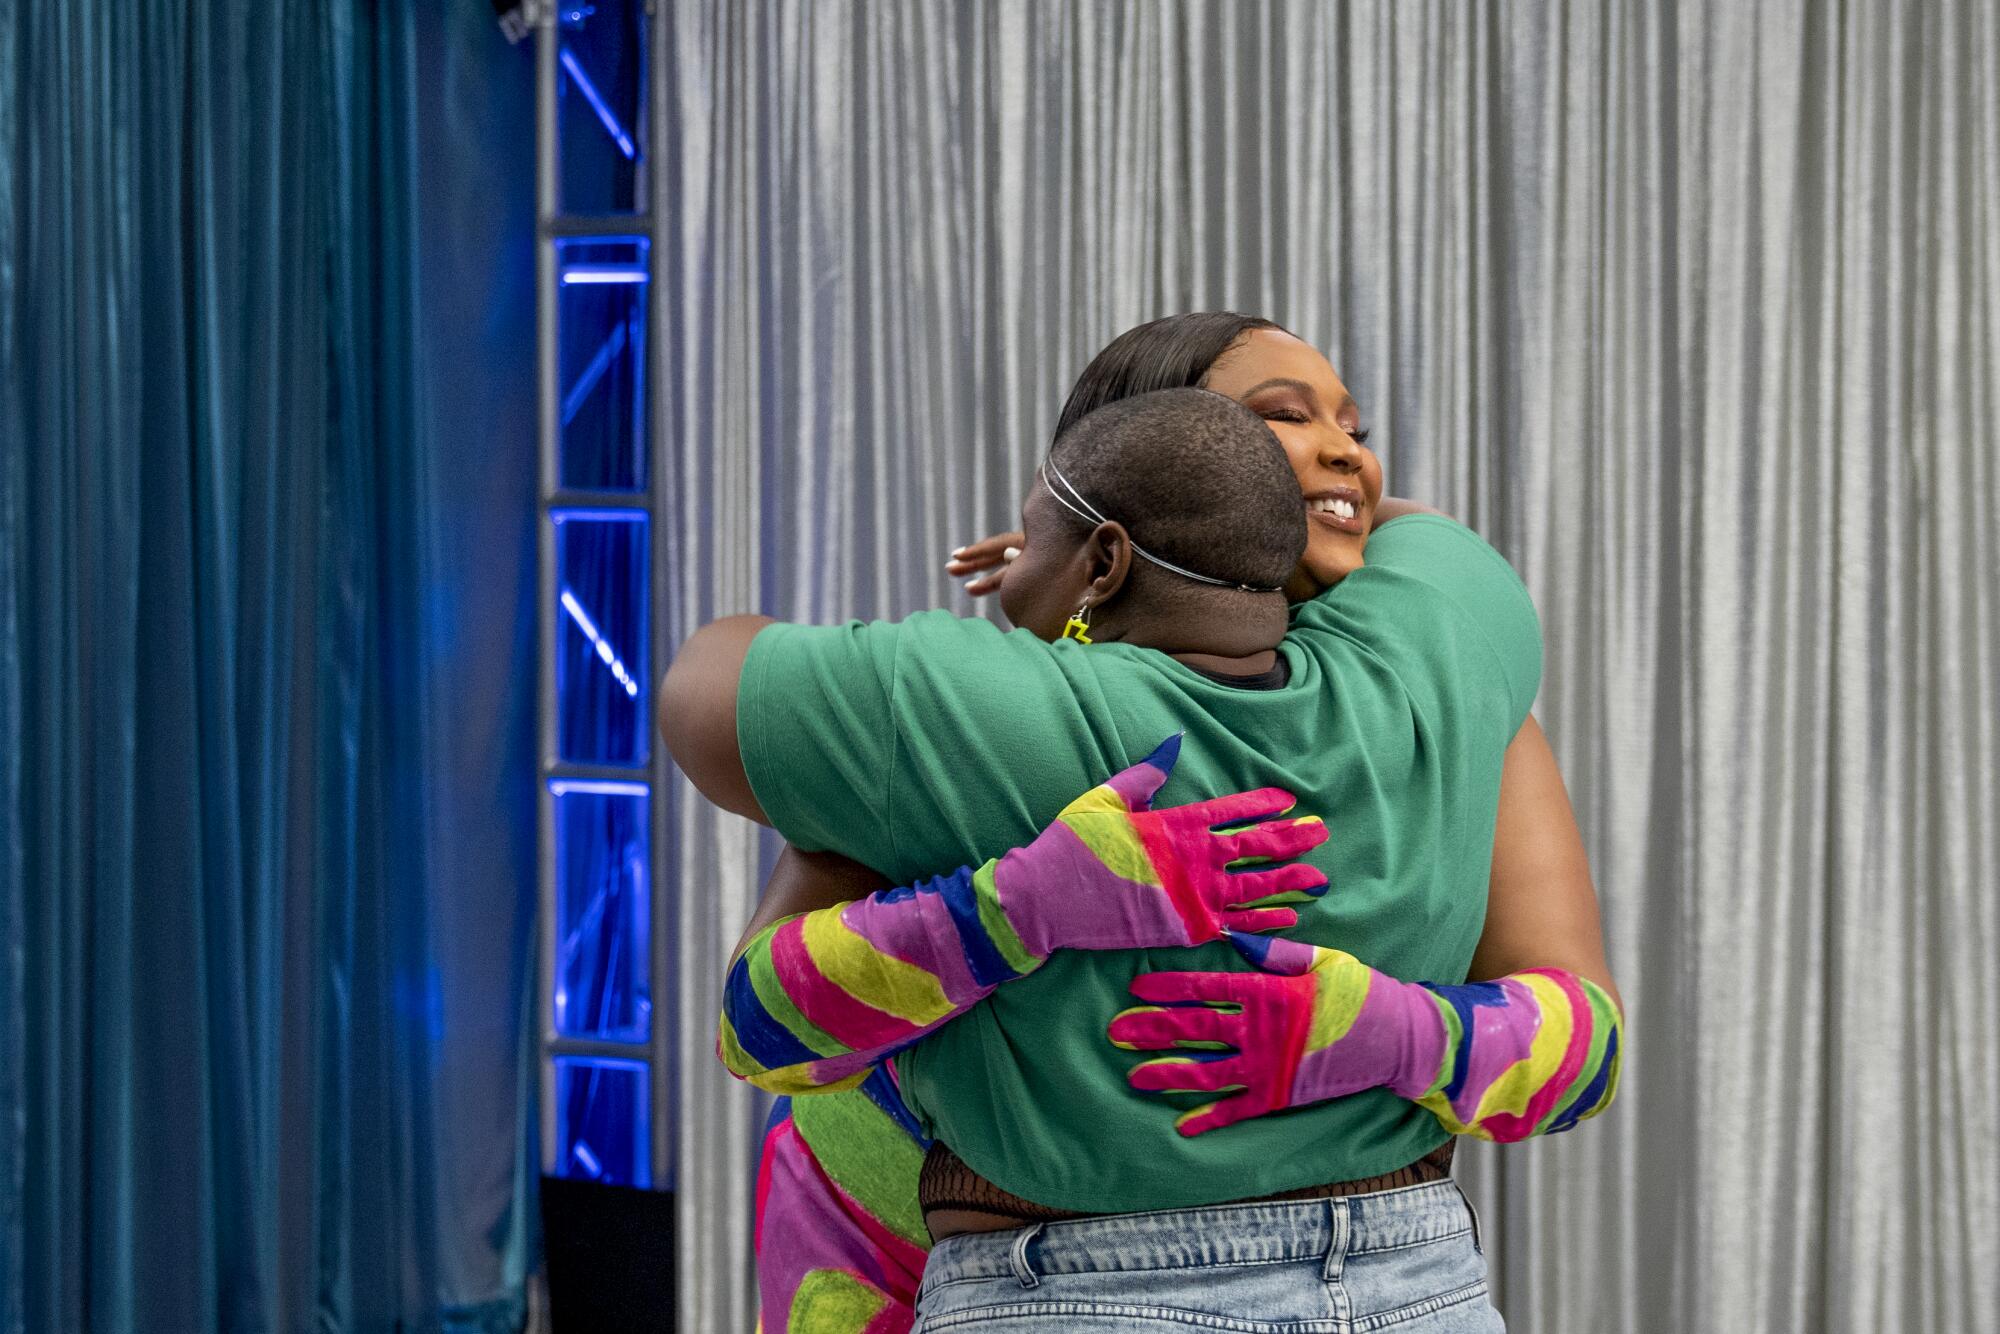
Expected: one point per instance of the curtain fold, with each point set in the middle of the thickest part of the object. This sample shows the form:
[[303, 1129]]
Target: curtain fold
[[263, 916], [1691, 308]]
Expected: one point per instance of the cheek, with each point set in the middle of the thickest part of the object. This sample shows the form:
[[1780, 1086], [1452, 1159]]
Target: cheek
[[1371, 478], [1298, 451], [1014, 598], [1023, 595], [1332, 556]]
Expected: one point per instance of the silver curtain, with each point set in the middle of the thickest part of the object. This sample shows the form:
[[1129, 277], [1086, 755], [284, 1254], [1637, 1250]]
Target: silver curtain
[[1692, 309]]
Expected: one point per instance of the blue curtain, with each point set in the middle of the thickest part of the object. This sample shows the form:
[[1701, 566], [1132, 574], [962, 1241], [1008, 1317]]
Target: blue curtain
[[266, 787]]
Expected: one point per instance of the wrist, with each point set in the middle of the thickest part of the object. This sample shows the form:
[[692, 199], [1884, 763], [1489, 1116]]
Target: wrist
[[1099, 889], [1012, 925], [951, 926], [1426, 1024], [1375, 1031]]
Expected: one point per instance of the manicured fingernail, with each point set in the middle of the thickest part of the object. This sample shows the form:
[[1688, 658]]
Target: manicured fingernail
[[970, 584], [957, 552], [1010, 553]]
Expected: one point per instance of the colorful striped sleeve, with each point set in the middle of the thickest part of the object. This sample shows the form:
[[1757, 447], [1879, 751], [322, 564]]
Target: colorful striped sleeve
[[813, 1002], [1532, 1053]]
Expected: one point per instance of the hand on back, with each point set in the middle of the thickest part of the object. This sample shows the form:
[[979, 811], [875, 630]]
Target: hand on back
[[1111, 872]]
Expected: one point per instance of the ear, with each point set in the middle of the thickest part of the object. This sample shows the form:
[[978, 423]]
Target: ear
[[1108, 559]]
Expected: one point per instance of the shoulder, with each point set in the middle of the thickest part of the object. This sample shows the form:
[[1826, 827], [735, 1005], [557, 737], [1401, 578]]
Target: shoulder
[[923, 630], [1439, 549], [940, 654], [1431, 593]]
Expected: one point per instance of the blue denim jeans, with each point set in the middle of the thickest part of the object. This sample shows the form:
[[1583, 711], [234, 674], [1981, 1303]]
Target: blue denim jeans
[[1407, 1260]]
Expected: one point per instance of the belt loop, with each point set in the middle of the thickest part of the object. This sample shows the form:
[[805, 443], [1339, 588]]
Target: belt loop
[[1024, 1271], [1338, 1232]]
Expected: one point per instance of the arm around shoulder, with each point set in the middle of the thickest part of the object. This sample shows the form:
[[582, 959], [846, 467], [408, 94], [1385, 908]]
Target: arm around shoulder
[[696, 712], [1541, 907]]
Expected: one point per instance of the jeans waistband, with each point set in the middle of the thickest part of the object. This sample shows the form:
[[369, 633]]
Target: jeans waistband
[[1229, 1234]]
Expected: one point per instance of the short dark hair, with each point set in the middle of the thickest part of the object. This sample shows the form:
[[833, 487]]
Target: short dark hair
[[1196, 478], [1175, 352]]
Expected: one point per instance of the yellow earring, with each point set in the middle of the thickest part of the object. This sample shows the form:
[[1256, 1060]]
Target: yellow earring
[[1078, 627]]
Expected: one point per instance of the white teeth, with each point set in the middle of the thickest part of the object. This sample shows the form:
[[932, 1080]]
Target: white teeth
[[1344, 508]]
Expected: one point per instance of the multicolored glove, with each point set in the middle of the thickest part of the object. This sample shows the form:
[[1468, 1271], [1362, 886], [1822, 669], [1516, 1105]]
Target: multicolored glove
[[813, 1001], [1531, 1054]]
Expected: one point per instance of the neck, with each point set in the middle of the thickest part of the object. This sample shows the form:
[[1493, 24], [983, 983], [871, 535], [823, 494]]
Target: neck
[[1245, 665], [1237, 637]]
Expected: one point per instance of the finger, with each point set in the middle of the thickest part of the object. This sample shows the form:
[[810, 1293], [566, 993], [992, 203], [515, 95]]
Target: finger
[[993, 566], [1285, 900], [1226, 1112], [985, 583], [1185, 988], [1258, 919], [987, 551], [1187, 1074], [1138, 785], [986, 548], [1260, 888], [1276, 840], [1150, 1028], [1240, 807]]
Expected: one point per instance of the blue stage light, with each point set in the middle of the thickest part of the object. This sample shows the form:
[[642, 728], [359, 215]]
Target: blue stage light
[[613, 344], [595, 787], [597, 104], [605, 653], [603, 1120], [602, 273]]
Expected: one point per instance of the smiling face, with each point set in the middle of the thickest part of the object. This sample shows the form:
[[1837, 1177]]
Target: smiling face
[[1295, 390]]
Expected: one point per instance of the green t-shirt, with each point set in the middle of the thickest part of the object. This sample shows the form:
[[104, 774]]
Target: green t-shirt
[[918, 746]]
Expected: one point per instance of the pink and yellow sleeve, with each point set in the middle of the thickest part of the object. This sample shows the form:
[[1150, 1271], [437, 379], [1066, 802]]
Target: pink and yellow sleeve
[[813, 1001], [1531, 1054]]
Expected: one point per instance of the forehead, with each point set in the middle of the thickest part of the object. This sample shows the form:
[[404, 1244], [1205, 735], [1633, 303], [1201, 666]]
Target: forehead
[[1264, 354]]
